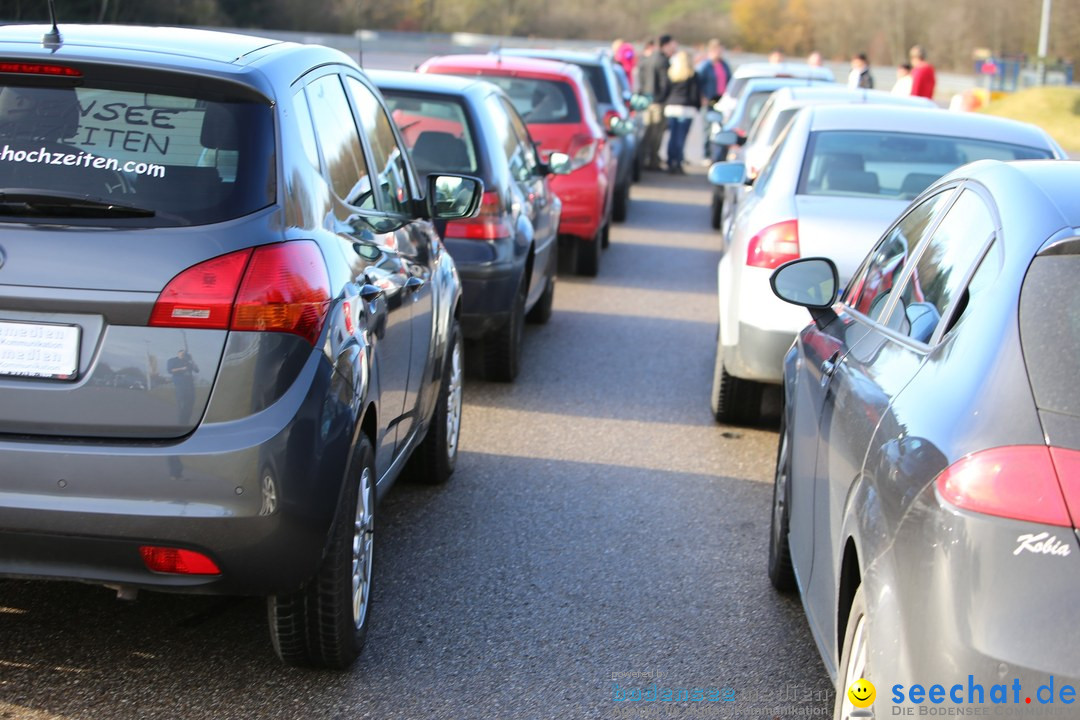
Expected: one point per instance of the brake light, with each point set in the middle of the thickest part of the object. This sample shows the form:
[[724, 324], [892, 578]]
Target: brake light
[[286, 289], [582, 151], [488, 224], [1018, 482], [774, 246], [273, 288], [202, 296], [21, 68], [177, 561]]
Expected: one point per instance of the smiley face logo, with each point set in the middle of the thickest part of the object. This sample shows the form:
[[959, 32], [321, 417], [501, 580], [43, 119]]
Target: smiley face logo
[[862, 693]]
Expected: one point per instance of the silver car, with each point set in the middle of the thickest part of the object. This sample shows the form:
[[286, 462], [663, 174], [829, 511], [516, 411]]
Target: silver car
[[837, 178], [926, 496]]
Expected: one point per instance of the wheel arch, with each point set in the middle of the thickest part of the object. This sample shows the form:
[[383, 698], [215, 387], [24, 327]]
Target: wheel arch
[[850, 578]]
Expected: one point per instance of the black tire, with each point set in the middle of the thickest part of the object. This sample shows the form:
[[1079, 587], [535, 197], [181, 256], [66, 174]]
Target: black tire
[[853, 668], [717, 209], [621, 203], [781, 573], [502, 348], [734, 401], [637, 166], [605, 237], [541, 311], [324, 624], [434, 460], [588, 260]]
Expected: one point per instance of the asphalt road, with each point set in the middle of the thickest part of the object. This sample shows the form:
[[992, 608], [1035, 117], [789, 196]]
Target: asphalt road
[[599, 524]]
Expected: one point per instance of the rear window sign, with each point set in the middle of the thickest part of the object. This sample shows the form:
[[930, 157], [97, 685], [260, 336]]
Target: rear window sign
[[133, 128], [43, 156]]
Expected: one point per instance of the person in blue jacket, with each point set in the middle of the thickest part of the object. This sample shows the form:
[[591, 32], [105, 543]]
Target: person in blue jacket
[[713, 74]]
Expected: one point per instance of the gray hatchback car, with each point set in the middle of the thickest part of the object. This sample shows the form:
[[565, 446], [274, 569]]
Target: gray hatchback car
[[226, 321]]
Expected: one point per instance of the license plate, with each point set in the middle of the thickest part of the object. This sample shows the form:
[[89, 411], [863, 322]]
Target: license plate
[[42, 351]]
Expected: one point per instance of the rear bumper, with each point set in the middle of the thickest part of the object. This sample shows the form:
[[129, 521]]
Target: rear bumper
[[256, 495], [759, 354], [488, 292]]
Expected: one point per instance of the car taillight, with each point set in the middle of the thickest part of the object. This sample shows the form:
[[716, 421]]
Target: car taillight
[[488, 224], [24, 68], [273, 288], [1020, 482], [774, 246], [177, 561], [582, 151]]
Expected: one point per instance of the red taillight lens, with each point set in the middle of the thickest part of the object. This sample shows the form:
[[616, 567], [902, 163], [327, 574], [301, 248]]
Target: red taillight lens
[[22, 68], [286, 289], [201, 296], [582, 151], [274, 288], [177, 561], [488, 224], [774, 246], [1018, 482]]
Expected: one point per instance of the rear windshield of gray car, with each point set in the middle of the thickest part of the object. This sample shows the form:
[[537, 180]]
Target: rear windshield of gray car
[[1050, 331], [597, 81], [540, 101], [896, 165], [157, 158]]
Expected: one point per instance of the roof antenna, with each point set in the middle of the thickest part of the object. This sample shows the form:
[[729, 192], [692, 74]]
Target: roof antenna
[[52, 38]]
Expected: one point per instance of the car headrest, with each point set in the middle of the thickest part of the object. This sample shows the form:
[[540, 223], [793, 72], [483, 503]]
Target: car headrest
[[219, 128], [436, 151]]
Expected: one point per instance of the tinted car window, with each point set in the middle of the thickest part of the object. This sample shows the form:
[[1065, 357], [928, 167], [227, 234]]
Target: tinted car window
[[340, 141], [521, 132], [389, 159], [540, 101], [188, 159], [872, 286], [507, 138], [1050, 331], [307, 127], [942, 268], [597, 78], [892, 164], [440, 128]]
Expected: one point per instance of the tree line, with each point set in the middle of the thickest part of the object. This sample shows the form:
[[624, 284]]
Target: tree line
[[884, 29]]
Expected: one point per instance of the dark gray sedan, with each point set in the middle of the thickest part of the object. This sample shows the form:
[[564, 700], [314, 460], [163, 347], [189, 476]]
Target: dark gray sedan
[[926, 488], [226, 321]]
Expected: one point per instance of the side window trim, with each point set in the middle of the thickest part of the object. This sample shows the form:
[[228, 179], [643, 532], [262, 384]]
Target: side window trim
[[912, 258]]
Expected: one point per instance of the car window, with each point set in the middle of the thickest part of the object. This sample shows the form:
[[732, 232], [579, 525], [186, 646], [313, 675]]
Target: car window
[[941, 272], [528, 151], [392, 186], [763, 120], [540, 101], [1050, 330], [754, 102], [761, 184], [307, 128], [783, 119], [436, 132], [507, 138], [863, 163], [339, 140], [871, 287], [597, 78], [186, 159]]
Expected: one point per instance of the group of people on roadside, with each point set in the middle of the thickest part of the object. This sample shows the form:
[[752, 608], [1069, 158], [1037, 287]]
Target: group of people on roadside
[[679, 90], [912, 78]]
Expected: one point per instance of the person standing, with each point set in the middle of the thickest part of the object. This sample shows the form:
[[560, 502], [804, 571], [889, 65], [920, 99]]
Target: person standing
[[713, 74], [624, 54], [903, 80], [923, 78], [683, 102], [860, 76], [654, 82], [814, 59]]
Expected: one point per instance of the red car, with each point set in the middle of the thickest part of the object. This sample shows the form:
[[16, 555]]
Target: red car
[[555, 101]]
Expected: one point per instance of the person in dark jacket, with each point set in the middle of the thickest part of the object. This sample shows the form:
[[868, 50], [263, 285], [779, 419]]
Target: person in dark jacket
[[653, 74], [682, 105], [860, 76]]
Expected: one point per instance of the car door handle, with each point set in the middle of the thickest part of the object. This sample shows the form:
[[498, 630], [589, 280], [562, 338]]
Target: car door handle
[[414, 283], [829, 366]]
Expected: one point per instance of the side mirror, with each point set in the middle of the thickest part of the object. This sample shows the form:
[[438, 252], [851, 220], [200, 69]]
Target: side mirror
[[558, 164], [727, 173], [812, 283], [639, 101], [613, 124], [727, 138], [452, 197]]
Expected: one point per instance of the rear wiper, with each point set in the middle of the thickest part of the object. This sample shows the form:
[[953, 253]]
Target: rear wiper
[[32, 202]]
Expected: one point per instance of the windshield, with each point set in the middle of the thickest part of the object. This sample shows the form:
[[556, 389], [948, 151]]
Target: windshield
[[539, 101], [435, 131], [184, 159], [893, 164]]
